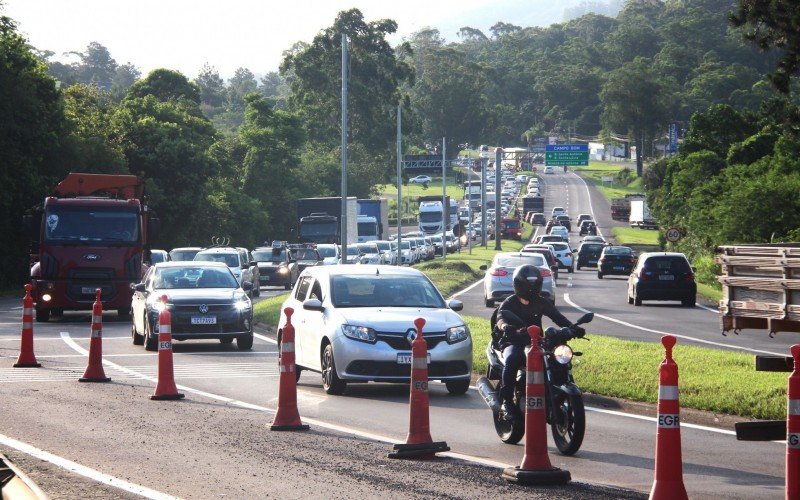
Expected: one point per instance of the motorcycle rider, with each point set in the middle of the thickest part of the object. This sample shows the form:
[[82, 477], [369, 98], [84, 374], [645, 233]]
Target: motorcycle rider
[[526, 306]]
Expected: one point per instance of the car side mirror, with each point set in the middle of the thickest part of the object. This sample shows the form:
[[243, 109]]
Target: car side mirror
[[313, 305], [140, 287], [484, 267], [455, 305], [694, 269], [247, 286]]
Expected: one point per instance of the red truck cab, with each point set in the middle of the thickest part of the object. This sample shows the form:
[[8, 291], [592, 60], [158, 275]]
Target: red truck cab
[[511, 228], [93, 232]]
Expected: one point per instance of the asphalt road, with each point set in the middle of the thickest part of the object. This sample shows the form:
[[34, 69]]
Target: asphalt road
[[215, 442]]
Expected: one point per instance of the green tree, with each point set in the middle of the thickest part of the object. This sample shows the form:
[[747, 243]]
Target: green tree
[[166, 139], [212, 89], [124, 78], [773, 24], [242, 83], [635, 98], [31, 126], [375, 75], [88, 144], [97, 67]]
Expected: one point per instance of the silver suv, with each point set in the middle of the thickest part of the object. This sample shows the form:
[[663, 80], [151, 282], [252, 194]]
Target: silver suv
[[234, 259]]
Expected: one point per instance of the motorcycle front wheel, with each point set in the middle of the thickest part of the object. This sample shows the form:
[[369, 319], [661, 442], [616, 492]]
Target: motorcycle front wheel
[[509, 432], [569, 423]]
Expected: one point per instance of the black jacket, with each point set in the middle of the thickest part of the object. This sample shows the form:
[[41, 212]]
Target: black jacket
[[512, 311]]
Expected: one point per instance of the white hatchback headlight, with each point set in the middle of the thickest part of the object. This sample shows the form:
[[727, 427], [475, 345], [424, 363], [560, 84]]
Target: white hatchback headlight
[[362, 333], [457, 334]]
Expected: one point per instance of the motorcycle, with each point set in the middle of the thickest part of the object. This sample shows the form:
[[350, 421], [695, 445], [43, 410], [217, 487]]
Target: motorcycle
[[563, 399]]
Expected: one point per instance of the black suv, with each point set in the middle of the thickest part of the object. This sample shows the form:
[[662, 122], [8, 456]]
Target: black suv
[[662, 276], [588, 254], [588, 227], [276, 265], [564, 221]]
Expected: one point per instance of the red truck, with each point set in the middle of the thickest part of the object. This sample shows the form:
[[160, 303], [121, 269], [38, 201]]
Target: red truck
[[511, 228], [94, 231]]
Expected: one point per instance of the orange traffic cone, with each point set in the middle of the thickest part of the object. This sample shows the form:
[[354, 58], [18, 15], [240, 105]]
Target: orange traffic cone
[[94, 371], [166, 388], [793, 429], [668, 483], [287, 417], [536, 468], [26, 357], [419, 443]]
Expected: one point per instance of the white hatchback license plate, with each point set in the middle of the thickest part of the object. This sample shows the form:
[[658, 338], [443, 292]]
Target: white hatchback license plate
[[666, 277], [204, 320], [405, 359]]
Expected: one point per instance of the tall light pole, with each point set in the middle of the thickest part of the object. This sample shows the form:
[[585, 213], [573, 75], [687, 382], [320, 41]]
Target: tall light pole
[[498, 158], [484, 165], [344, 150], [445, 205], [399, 188]]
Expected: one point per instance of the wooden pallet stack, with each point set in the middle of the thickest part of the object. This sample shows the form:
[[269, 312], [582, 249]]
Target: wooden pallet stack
[[760, 287]]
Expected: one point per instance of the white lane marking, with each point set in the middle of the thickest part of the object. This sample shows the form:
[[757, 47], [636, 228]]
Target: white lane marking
[[40, 339], [265, 339], [152, 354], [81, 469], [659, 332], [589, 194], [319, 423], [465, 290], [655, 419], [710, 309]]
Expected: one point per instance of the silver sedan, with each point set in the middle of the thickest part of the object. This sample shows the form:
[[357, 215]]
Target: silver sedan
[[497, 283]]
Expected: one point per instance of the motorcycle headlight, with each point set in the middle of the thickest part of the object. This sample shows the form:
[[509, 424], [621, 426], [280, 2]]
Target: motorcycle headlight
[[457, 334], [563, 354], [361, 333], [156, 305]]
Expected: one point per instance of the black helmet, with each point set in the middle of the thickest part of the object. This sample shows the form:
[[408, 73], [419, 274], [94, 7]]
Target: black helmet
[[527, 282]]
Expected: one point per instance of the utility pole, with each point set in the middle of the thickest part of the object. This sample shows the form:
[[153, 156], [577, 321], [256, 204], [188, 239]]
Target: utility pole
[[445, 205], [484, 165], [344, 149], [469, 202], [399, 188], [498, 159]]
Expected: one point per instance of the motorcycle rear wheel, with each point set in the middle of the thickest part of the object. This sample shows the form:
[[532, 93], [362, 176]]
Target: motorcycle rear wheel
[[569, 423], [509, 432]]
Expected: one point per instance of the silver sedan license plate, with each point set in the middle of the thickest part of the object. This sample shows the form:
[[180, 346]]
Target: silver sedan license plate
[[204, 320], [405, 358]]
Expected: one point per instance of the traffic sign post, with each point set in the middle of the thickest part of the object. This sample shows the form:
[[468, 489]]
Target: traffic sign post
[[559, 155], [673, 235]]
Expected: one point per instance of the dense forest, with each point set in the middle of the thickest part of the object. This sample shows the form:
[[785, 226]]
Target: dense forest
[[229, 158]]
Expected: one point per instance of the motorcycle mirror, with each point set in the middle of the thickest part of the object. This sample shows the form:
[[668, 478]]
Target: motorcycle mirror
[[586, 318]]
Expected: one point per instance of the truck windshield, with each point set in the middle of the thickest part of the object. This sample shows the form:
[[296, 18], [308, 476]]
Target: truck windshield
[[430, 216], [326, 228], [90, 225], [367, 229]]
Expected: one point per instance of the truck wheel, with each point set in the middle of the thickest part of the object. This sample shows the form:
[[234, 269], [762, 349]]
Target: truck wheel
[[42, 315]]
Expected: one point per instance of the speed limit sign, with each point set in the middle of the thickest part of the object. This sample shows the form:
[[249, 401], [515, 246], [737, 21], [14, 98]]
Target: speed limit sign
[[673, 234]]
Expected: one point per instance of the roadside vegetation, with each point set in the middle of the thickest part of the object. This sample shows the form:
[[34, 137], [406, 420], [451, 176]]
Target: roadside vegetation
[[625, 180]]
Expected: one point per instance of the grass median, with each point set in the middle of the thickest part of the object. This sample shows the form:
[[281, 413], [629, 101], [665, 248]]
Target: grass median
[[710, 379], [597, 170]]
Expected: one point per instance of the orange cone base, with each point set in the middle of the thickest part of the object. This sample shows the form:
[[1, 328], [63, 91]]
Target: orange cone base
[[94, 379], [298, 427], [167, 397], [670, 489], [544, 477], [27, 364], [421, 450]]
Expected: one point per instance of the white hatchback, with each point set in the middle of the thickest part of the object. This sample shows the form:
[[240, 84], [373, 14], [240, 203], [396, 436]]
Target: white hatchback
[[355, 324]]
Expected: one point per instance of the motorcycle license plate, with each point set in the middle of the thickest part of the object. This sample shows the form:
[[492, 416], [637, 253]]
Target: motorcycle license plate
[[405, 358], [204, 320]]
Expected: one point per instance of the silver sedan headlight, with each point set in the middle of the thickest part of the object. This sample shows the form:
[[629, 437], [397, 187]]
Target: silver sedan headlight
[[457, 334], [362, 333]]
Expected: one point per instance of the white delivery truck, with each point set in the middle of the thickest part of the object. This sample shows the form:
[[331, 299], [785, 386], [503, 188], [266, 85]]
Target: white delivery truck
[[640, 216]]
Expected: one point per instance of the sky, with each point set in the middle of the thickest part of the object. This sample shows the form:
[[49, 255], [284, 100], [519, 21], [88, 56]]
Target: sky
[[185, 34]]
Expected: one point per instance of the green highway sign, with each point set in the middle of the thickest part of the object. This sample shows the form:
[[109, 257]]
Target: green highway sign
[[558, 155]]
